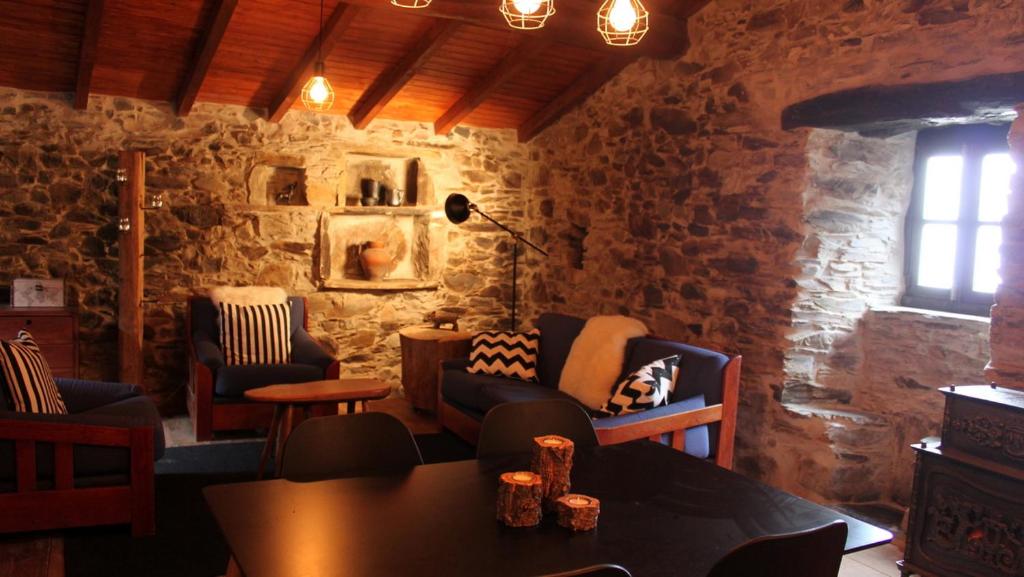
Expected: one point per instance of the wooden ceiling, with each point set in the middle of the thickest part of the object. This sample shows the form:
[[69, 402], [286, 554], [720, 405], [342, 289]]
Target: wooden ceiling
[[455, 62]]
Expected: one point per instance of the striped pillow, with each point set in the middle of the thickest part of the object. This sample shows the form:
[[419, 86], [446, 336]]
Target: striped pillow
[[512, 355], [256, 334], [29, 382]]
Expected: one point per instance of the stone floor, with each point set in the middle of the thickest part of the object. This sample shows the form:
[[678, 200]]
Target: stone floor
[[43, 556]]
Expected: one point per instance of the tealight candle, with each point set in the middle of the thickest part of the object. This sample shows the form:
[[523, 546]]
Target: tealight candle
[[578, 512], [519, 499], [552, 460]]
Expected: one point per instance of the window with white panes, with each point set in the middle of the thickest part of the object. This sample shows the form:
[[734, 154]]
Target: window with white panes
[[961, 190]]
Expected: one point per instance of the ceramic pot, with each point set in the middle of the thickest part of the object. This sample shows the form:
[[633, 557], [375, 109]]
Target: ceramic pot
[[395, 197], [375, 261]]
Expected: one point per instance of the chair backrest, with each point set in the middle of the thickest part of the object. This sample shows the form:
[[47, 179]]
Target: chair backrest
[[509, 428], [606, 570], [812, 553], [341, 446]]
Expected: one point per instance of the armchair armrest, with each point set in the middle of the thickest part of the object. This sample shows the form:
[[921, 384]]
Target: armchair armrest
[[455, 364], [207, 351], [672, 420], [81, 395], [306, 351]]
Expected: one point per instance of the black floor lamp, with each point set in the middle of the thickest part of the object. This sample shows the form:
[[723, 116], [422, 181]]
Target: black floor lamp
[[458, 208]]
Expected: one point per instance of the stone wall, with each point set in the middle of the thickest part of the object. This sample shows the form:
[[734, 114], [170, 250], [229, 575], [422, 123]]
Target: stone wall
[[58, 205], [673, 195]]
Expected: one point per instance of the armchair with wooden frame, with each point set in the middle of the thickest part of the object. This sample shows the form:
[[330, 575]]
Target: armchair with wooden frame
[[93, 466], [215, 396]]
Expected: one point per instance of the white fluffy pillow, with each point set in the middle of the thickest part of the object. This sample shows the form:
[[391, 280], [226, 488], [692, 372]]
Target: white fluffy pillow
[[248, 295], [596, 358]]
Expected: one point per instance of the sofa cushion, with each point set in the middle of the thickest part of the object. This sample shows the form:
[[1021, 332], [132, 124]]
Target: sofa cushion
[[557, 333], [698, 439], [463, 388], [203, 315], [27, 377], [494, 394], [235, 381], [505, 354], [648, 387]]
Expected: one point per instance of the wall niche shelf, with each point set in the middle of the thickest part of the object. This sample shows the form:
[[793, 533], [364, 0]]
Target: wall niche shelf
[[385, 210], [385, 285]]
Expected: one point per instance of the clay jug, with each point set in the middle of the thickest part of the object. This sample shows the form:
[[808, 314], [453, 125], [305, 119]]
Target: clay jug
[[375, 261]]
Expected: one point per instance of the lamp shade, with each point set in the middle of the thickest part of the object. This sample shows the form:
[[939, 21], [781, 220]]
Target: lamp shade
[[457, 208]]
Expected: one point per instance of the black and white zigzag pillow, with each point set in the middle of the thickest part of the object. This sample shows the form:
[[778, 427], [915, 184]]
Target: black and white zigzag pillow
[[649, 386], [504, 354]]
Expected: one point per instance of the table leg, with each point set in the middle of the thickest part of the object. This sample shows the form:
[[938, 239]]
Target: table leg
[[364, 406], [283, 431], [350, 407], [275, 422], [233, 569]]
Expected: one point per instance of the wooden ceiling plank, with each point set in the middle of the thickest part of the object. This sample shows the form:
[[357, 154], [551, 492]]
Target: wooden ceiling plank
[[392, 80], [340, 20], [575, 24], [87, 52], [593, 78], [517, 59], [189, 90]]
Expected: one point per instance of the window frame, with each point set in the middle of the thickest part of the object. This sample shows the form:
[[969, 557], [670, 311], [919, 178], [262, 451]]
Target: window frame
[[973, 142]]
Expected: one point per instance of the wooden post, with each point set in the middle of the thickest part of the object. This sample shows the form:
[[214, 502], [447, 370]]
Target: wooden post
[[132, 224], [1006, 367]]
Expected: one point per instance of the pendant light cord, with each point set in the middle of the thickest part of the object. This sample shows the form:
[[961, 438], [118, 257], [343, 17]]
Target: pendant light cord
[[320, 36]]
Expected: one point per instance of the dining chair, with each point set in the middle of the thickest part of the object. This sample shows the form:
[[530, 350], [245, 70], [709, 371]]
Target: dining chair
[[509, 428], [605, 570], [342, 446], [813, 553]]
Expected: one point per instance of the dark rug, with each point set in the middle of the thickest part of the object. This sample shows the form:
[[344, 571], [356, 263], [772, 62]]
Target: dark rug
[[187, 541]]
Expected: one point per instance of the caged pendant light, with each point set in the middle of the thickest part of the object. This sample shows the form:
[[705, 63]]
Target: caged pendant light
[[411, 3], [317, 94], [527, 14], [623, 22]]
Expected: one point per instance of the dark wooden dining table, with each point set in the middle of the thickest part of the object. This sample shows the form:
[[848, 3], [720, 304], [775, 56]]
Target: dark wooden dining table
[[663, 513]]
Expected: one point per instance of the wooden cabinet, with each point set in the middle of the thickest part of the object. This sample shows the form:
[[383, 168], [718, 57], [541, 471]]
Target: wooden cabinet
[[55, 330], [423, 348]]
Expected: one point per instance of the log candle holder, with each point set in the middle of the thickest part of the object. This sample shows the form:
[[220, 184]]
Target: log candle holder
[[519, 498], [552, 460], [578, 512]]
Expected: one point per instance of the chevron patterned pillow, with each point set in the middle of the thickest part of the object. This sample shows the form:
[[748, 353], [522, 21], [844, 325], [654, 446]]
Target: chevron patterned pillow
[[648, 387], [505, 354]]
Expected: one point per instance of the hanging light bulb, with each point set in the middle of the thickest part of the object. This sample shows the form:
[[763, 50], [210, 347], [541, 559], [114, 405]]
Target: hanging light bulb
[[411, 3], [527, 14], [622, 22], [317, 94]]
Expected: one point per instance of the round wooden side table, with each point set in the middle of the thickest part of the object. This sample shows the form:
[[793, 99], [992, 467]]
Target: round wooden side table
[[293, 403], [423, 349]]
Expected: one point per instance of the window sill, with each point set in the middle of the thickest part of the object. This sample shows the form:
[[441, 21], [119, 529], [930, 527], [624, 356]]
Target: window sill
[[894, 309]]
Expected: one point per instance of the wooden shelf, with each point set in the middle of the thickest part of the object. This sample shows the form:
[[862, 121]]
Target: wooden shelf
[[385, 210], [382, 286]]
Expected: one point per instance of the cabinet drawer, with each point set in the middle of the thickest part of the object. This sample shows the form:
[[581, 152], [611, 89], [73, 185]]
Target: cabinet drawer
[[58, 355], [43, 329]]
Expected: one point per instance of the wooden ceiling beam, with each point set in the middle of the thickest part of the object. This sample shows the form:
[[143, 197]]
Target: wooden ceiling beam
[[87, 52], [575, 23], [517, 59], [593, 78], [189, 90], [334, 29], [392, 80]]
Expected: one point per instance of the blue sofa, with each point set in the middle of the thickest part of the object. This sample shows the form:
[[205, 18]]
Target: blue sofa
[[700, 418], [216, 391]]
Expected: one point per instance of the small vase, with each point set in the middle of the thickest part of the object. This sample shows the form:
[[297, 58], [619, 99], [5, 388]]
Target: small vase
[[375, 261]]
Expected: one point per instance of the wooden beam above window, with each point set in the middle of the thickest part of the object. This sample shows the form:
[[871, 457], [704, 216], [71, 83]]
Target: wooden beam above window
[[334, 29], [204, 57], [87, 52], [392, 80]]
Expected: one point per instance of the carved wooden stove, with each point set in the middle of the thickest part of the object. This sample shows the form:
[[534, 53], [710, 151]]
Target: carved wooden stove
[[967, 512]]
